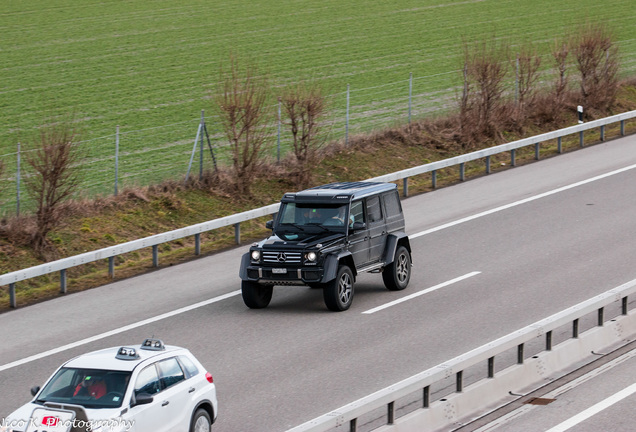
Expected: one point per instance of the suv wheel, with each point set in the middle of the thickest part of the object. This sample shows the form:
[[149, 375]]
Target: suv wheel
[[201, 421], [396, 275], [256, 296], [338, 293]]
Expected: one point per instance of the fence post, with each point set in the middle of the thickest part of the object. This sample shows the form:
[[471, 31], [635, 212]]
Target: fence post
[[201, 149], [18, 184], [347, 120], [278, 138], [410, 94], [116, 158], [237, 233]]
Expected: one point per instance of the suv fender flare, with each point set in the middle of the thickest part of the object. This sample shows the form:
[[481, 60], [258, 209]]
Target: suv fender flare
[[333, 261], [393, 241], [245, 262]]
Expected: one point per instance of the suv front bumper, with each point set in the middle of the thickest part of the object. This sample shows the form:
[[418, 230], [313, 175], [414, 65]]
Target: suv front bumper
[[284, 276]]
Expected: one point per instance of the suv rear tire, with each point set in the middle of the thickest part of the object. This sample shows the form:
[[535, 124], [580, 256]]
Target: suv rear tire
[[256, 296], [338, 293], [201, 421], [396, 275]]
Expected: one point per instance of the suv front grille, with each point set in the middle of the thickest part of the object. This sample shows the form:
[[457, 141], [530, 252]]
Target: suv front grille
[[280, 257]]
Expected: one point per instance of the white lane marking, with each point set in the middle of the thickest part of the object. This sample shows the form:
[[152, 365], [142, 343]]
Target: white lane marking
[[584, 415], [419, 293], [523, 201], [117, 331]]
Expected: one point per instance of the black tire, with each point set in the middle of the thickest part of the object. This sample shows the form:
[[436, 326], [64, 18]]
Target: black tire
[[256, 296], [338, 293], [396, 275], [201, 421]]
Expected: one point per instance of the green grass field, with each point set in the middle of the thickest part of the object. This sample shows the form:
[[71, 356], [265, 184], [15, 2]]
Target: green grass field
[[150, 66]]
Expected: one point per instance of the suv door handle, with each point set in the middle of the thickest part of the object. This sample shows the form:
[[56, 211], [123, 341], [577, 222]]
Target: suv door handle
[[191, 390], [165, 403]]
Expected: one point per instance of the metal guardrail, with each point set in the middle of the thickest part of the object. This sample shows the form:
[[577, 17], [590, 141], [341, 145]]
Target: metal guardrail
[[110, 253], [422, 382]]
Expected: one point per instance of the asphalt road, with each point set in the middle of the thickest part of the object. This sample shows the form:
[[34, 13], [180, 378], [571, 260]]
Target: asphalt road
[[542, 238]]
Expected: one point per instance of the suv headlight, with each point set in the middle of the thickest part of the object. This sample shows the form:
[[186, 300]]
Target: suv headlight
[[311, 256], [256, 255]]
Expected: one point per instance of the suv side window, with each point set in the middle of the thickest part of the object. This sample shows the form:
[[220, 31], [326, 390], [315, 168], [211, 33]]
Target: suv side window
[[170, 372], [392, 204], [148, 381], [357, 211], [189, 366], [374, 211]]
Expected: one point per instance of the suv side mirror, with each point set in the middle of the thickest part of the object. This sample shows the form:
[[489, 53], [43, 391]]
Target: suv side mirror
[[269, 224], [35, 390], [357, 226], [143, 399]]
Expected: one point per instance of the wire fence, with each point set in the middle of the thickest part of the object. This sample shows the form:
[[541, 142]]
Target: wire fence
[[123, 159]]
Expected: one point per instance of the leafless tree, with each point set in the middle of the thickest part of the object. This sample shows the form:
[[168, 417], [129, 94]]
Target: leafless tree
[[484, 73], [560, 54], [241, 106], [597, 62], [54, 177], [304, 106], [527, 66]]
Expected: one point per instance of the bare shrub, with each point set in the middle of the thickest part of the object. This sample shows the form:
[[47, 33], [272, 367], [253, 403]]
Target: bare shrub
[[527, 67], [597, 62], [560, 54], [54, 178], [241, 106], [481, 102], [304, 106]]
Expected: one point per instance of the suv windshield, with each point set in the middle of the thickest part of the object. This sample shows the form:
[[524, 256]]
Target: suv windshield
[[296, 219], [91, 388]]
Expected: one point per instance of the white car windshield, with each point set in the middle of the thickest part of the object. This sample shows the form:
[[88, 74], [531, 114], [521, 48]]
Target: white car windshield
[[91, 388]]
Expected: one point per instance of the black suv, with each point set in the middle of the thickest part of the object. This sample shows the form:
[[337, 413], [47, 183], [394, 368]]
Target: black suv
[[324, 237]]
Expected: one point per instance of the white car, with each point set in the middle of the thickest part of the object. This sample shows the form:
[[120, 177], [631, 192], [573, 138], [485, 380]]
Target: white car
[[148, 388]]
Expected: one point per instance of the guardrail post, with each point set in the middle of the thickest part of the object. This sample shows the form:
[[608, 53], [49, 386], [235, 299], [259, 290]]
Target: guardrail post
[[12, 301], [405, 186], [434, 178], [536, 151], [487, 164], [520, 354], [624, 306], [581, 141], [575, 329], [391, 413], [603, 133], [622, 127], [459, 381], [491, 367], [548, 341], [426, 397], [237, 233], [197, 244], [353, 425], [559, 145], [601, 319], [513, 161], [155, 256], [63, 281], [462, 171], [111, 267]]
